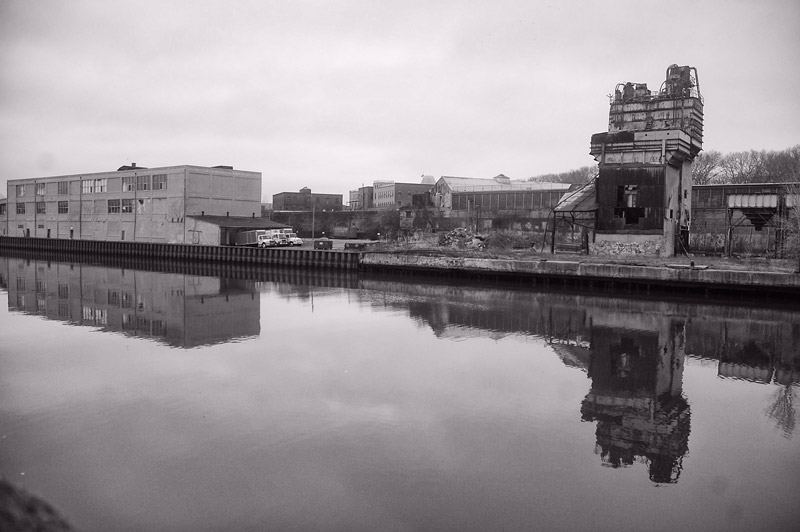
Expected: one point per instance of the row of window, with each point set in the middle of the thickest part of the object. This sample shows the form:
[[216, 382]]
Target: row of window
[[41, 208], [505, 200], [94, 186], [115, 206]]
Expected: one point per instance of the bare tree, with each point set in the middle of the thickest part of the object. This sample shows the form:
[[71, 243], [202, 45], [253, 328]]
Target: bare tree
[[782, 411], [579, 176], [741, 167], [706, 167], [781, 166]]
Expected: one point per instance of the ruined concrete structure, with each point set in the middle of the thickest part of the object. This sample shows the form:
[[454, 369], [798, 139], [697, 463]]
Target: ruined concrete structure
[[644, 185]]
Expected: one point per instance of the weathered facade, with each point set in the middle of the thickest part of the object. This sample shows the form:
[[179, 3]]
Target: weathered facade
[[750, 218], [361, 199], [130, 204], [391, 195], [644, 183], [497, 203]]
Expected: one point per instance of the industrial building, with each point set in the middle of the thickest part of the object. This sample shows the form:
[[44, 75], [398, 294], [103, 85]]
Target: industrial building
[[497, 203], [171, 204], [305, 200], [361, 199], [645, 159], [392, 195], [749, 218]]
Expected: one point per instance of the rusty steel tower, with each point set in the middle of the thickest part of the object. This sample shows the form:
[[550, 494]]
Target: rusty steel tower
[[645, 181]]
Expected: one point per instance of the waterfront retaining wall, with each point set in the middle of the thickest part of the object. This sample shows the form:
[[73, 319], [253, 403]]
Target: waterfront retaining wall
[[687, 279], [189, 252]]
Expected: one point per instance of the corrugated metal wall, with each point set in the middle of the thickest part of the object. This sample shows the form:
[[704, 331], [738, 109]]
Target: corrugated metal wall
[[650, 197]]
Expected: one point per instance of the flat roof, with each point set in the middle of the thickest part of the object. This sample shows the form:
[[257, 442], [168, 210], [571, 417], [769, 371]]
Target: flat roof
[[239, 222], [148, 170]]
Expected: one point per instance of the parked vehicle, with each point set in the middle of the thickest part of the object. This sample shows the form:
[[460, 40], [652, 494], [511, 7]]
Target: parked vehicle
[[294, 240], [254, 238]]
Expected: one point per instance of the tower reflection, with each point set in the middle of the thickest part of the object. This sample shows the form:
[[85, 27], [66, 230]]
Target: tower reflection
[[636, 369]]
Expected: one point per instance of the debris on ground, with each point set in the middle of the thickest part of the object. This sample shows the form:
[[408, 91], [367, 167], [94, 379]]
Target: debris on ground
[[462, 238]]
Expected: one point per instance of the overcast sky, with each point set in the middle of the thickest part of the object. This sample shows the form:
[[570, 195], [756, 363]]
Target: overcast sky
[[335, 94]]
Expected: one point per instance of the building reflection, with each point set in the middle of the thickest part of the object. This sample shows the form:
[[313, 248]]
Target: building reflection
[[636, 370], [177, 309], [634, 352]]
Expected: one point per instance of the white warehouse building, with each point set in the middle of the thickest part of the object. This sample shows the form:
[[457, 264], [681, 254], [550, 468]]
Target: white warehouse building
[[162, 205]]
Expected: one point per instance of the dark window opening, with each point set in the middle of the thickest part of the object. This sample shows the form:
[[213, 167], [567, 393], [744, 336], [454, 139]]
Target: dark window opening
[[627, 204]]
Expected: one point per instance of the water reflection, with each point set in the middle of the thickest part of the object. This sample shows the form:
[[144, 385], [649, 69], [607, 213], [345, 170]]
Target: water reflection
[[636, 369], [176, 309], [633, 351]]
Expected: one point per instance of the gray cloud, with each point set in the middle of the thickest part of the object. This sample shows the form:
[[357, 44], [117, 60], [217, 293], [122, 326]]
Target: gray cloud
[[334, 95]]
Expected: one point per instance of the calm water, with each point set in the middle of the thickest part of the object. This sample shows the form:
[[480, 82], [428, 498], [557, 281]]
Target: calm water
[[277, 400]]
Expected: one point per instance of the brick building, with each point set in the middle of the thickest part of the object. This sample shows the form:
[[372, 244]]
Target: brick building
[[305, 200]]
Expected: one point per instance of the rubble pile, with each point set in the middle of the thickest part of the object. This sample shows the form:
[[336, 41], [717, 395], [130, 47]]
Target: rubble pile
[[462, 238]]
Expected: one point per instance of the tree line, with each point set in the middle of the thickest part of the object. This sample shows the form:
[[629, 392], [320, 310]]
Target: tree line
[[715, 168]]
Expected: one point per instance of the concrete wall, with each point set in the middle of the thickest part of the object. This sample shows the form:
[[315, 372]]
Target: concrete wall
[[202, 233], [626, 244]]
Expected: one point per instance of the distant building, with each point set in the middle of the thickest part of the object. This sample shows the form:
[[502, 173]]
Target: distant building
[[391, 195], [133, 203], [361, 199], [456, 196], [306, 201]]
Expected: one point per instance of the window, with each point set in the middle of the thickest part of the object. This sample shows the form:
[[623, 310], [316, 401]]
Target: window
[[41, 207], [627, 204], [63, 207], [20, 208], [127, 206], [113, 206], [63, 291], [20, 191], [63, 187], [627, 195], [143, 182], [100, 185], [87, 186], [2, 209], [40, 189], [127, 183], [160, 182]]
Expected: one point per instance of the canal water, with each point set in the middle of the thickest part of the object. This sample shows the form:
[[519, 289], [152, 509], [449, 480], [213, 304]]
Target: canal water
[[189, 398]]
